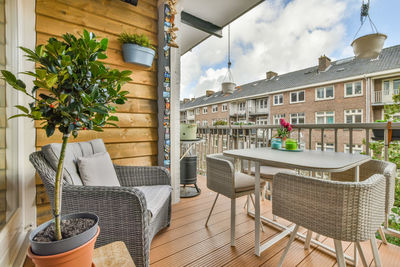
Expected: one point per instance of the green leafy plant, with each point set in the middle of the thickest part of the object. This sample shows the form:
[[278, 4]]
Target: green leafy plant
[[133, 38], [220, 122], [75, 92]]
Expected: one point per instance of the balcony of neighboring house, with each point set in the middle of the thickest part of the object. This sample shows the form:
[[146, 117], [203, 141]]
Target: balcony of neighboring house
[[388, 88], [190, 116]]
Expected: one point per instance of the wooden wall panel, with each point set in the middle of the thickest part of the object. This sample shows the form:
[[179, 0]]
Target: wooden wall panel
[[135, 142]]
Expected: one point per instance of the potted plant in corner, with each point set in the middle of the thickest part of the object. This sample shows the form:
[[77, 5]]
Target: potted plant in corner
[[75, 92], [137, 49]]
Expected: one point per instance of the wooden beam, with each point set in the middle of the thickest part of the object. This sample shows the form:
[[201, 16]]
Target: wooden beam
[[201, 24]]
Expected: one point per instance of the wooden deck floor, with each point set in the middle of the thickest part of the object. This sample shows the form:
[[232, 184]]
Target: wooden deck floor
[[188, 243]]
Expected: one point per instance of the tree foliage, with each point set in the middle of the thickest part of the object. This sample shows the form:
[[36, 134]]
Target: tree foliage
[[72, 89]]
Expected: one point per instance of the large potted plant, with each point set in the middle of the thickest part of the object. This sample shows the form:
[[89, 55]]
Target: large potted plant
[[137, 49], [72, 91]]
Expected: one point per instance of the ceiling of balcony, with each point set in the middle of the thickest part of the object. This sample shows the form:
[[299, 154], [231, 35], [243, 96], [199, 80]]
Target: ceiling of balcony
[[216, 12]]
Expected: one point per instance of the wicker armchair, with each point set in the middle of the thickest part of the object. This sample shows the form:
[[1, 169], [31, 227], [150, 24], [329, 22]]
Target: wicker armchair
[[123, 211], [388, 169], [340, 210], [222, 178]]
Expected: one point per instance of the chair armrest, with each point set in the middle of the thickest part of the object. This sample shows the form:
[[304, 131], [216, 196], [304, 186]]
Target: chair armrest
[[122, 212], [142, 176]]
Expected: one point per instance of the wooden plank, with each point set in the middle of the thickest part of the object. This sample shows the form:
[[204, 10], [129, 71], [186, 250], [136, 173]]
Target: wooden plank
[[2, 158], [139, 76], [141, 91], [43, 213], [3, 179], [72, 15], [116, 11], [2, 137], [129, 150], [137, 161], [54, 27], [3, 118], [41, 195], [110, 135], [138, 106], [128, 120]]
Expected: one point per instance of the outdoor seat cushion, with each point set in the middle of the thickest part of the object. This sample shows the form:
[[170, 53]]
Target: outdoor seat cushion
[[155, 196], [268, 172], [98, 170], [72, 153], [244, 182]]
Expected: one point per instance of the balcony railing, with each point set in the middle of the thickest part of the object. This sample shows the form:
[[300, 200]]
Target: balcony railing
[[380, 98], [220, 138]]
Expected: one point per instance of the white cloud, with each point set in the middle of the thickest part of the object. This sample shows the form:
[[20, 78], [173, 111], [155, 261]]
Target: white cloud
[[272, 36]]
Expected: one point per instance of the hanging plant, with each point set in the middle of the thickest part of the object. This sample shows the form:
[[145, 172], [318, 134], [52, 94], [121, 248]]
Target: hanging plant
[[368, 46], [136, 49]]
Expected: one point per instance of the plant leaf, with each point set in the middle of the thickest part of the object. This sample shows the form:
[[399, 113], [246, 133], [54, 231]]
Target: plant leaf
[[22, 108], [113, 118]]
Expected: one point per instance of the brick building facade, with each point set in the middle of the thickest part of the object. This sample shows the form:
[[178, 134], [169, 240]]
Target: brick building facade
[[344, 91]]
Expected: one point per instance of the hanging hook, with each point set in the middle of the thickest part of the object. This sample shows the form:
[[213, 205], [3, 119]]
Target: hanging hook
[[229, 47]]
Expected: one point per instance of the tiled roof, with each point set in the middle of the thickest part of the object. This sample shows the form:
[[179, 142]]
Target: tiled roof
[[340, 69]]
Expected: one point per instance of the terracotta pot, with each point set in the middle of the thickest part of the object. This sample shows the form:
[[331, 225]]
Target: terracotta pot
[[80, 256], [368, 46]]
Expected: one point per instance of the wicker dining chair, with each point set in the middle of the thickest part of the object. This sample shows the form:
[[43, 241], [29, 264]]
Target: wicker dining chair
[[343, 211], [222, 178], [388, 169]]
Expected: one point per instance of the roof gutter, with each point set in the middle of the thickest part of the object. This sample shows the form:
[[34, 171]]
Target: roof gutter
[[363, 76]]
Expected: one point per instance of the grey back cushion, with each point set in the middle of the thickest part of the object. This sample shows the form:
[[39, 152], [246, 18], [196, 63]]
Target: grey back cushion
[[73, 152]]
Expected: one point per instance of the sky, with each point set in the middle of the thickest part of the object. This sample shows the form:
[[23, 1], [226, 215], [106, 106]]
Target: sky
[[283, 36]]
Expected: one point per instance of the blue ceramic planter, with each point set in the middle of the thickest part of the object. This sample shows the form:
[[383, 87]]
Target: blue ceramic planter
[[137, 54]]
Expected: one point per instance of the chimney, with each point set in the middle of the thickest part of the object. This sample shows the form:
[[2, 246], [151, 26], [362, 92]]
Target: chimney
[[209, 92], [185, 100], [323, 63], [192, 99], [271, 74]]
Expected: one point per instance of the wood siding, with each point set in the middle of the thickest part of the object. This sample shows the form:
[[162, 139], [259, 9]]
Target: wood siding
[[135, 142]]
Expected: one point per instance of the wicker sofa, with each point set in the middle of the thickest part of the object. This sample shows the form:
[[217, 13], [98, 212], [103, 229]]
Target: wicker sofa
[[133, 212]]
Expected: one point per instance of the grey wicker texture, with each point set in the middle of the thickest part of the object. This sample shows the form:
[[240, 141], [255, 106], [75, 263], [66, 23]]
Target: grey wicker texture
[[340, 210], [122, 210], [221, 177], [388, 169]]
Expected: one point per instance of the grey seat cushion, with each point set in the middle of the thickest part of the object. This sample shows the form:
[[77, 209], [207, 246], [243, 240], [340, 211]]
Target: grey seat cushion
[[73, 152], [244, 182], [98, 170], [155, 196]]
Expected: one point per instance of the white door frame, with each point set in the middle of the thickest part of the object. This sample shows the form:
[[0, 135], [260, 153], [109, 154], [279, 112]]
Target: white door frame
[[20, 31]]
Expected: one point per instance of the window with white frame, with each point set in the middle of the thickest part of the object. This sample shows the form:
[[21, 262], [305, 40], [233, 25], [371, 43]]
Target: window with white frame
[[242, 106], [353, 115], [205, 123], [205, 110], [198, 123], [391, 87], [327, 147], [197, 111], [214, 108], [297, 118], [224, 107], [356, 148], [353, 89], [262, 120], [297, 97], [278, 99], [277, 118], [190, 112], [325, 117], [262, 103], [213, 122], [324, 93]]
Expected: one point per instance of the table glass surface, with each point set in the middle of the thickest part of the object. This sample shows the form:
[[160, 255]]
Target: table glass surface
[[308, 160]]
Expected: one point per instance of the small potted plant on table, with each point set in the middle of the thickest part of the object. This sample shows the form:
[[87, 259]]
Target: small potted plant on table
[[75, 92], [284, 132], [137, 49]]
